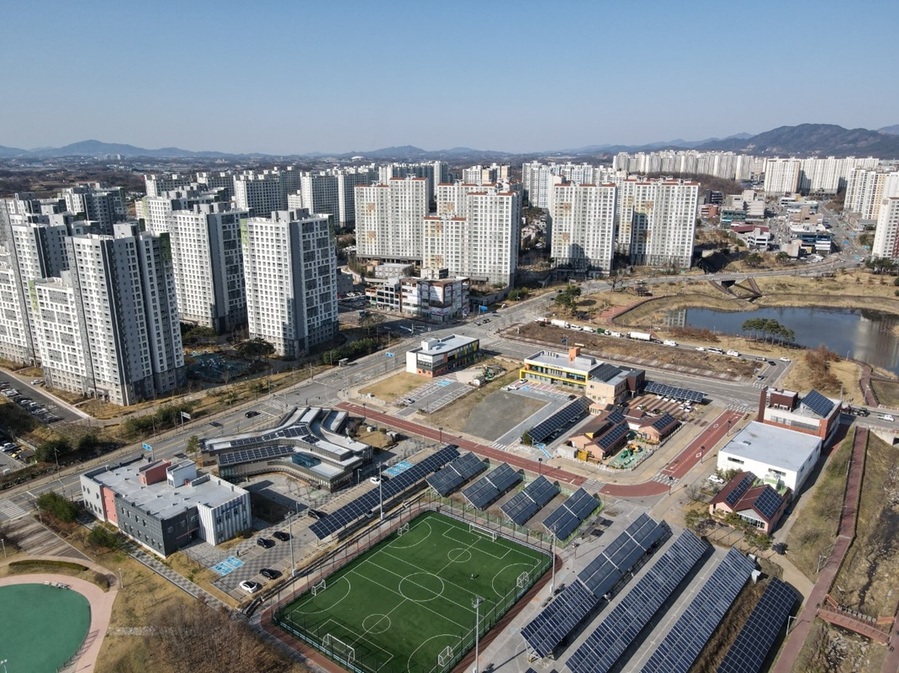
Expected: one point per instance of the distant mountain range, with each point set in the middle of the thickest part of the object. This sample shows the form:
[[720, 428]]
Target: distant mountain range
[[801, 140]]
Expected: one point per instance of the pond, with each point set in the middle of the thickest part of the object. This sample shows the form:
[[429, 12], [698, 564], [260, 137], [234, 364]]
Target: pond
[[860, 333]]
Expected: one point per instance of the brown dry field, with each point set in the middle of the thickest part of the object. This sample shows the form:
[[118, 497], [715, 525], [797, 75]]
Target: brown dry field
[[456, 415], [394, 387]]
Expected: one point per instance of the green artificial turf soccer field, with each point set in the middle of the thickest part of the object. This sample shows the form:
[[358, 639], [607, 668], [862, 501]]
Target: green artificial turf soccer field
[[401, 604]]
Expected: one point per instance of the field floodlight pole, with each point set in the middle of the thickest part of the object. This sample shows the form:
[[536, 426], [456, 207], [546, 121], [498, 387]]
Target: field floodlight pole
[[381, 491], [476, 604], [293, 567], [552, 559]]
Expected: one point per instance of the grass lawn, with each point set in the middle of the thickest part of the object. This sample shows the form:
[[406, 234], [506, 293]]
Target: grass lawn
[[400, 605]]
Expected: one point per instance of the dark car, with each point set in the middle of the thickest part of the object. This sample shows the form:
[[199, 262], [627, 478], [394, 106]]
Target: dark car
[[265, 543], [314, 513], [250, 414], [281, 535], [269, 574]]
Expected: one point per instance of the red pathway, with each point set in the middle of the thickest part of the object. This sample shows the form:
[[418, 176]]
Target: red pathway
[[790, 651], [683, 463]]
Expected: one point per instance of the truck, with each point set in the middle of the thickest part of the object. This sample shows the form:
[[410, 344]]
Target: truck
[[640, 336], [559, 323]]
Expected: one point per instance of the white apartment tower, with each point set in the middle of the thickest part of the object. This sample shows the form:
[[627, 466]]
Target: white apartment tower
[[265, 192], [388, 219], [886, 235], [157, 185], [475, 233], [583, 226], [867, 188], [103, 206], [346, 191], [290, 267], [208, 265], [108, 327], [15, 334], [656, 221], [782, 175], [321, 194]]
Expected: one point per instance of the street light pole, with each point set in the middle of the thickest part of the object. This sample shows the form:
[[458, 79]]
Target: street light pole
[[293, 567], [476, 604], [381, 491], [552, 559]]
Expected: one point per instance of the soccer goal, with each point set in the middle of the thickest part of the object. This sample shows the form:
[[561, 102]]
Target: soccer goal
[[319, 587], [445, 658], [480, 530], [339, 649], [524, 580], [402, 530]]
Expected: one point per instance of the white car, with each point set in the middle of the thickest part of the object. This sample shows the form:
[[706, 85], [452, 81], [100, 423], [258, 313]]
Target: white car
[[250, 587], [375, 480], [887, 417], [715, 479], [785, 359]]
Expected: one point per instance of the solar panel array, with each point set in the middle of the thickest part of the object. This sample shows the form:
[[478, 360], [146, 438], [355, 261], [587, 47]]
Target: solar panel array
[[487, 490], [739, 490], [299, 430], [521, 508], [564, 417], [818, 403], [605, 371], [368, 502], [677, 652], [665, 390], [622, 626], [451, 477], [571, 514], [613, 436], [768, 502], [251, 455], [560, 618], [664, 421], [606, 570], [751, 648]]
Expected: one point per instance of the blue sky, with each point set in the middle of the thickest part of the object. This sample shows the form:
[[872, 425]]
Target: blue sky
[[313, 75]]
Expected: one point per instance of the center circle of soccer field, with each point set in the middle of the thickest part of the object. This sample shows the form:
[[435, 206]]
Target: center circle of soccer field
[[421, 587], [459, 555], [376, 623]]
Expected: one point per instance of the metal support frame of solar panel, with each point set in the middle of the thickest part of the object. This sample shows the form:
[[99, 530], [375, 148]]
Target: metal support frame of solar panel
[[388, 489], [487, 490], [750, 650], [565, 519], [677, 652], [621, 627], [560, 618], [665, 390], [622, 554], [449, 478], [560, 419], [531, 500]]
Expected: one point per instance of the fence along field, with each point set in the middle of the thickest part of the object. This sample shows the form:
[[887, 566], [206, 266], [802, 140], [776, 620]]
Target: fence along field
[[407, 604]]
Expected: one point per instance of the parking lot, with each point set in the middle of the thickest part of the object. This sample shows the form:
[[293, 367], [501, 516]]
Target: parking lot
[[43, 412]]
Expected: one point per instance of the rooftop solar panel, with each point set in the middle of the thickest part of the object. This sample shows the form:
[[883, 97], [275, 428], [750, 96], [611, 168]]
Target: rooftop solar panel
[[604, 647], [664, 421], [561, 419], [768, 502], [559, 619], [817, 403], [677, 652], [570, 514], [750, 650], [740, 489], [665, 390], [388, 489], [613, 436]]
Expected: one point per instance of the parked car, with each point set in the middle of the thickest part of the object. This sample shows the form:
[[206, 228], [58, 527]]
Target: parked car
[[37, 382], [265, 543], [886, 417], [715, 479], [250, 587], [785, 359], [281, 535], [250, 414], [269, 574]]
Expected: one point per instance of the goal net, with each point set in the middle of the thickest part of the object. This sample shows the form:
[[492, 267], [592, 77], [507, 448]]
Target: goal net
[[479, 530], [319, 587], [402, 530], [524, 580], [339, 649], [445, 657]]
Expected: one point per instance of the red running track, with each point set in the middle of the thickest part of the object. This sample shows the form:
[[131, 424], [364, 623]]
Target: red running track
[[683, 463]]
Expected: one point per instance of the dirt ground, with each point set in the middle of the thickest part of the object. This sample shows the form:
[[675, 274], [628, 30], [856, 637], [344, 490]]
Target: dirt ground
[[641, 351], [394, 387], [498, 413], [887, 392], [456, 416], [846, 374], [829, 649]]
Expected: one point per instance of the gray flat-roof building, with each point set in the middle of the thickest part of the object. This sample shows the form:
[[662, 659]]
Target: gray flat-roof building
[[439, 356], [164, 506]]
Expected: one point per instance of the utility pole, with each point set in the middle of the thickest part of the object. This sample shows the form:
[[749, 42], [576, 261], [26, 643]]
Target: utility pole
[[476, 604]]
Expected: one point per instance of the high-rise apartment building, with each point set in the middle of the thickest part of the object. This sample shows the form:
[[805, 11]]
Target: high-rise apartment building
[[290, 269], [388, 219], [102, 206], [208, 265], [867, 188], [157, 185], [321, 194], [15, 332], [782, 175], [886, 235], [583, 226], [475, 233], [108, 326], [347, 180], [435, 172], [265, 192]]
